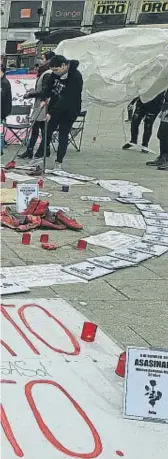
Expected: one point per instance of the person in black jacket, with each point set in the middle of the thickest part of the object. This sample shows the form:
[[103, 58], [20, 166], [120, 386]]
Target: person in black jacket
[[63, 89], [162, 160], [6, 96], [147, 112]]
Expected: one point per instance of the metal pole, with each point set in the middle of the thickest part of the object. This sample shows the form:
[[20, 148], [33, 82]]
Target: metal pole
[[45, 141]]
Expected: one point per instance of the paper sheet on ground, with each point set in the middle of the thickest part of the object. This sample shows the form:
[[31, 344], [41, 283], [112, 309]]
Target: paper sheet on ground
[[126, 188], [57, 208], [161, 230], [44, 194], [112, 239], [133, 200], [8, 286], [130, 255], [158, 215], [8, 195], [124, 220], [148, 247], [87, 270], [40, 275], [19, 177], [155, 239], [96, 198], [156, 222], [149, 207], [82, 178], [64, 180], [109, 262]]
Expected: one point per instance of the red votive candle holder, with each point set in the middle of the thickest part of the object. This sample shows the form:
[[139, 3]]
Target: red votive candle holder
[[41, 183], [81, 245], [88, 332], [120, 369], [14, 185], [26, 238], [95, 208], [44, 238]]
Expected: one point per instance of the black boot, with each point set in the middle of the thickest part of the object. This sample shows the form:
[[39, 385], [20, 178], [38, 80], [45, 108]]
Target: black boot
[[26, 154], [126, 146], [157, 162], [164, 165]]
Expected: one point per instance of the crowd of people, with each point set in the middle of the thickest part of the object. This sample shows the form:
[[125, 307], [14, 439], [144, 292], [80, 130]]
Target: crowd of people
[[58, 95]]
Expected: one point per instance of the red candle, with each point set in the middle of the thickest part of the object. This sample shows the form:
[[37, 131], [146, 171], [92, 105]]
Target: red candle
[[26, 238], [81, 245], [95, 208], [120, 370], [44, 238], [48, 246], [41, 183], [14, 184], [88, 332]]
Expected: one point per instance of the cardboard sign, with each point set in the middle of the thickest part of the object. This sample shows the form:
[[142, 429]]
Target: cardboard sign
[[60, 395], [8, 286], [26, 192], [151, 248], [110, 262], [155, 239], [129, 254], [146, 383], [96, 198], [124, 220]]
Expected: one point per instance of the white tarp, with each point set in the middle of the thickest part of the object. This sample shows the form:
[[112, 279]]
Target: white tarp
[[119, 64]]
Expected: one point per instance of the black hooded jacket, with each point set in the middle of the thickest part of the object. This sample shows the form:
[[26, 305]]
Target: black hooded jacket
[[6, 98], [65, 94]]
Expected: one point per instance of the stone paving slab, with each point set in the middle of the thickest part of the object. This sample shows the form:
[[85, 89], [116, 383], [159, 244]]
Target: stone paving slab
[[130, 305]]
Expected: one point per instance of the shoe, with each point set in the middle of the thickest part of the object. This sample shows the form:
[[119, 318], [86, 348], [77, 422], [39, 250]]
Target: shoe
[[39, 155], [57, 166], [157, 162], [26, 154], [164, 166], [126, 146], [68, 222], [144, 149]]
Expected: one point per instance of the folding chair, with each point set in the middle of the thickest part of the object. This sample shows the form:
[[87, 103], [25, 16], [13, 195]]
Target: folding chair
[[76, 133], [19, 132]]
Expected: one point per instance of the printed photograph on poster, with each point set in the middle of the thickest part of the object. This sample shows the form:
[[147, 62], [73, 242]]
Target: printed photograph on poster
[[24, 193], [146, 383]]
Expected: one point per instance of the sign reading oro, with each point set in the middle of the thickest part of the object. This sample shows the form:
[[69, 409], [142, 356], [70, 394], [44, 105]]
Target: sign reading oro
[[146, 384], [154, 7], [110, 7]]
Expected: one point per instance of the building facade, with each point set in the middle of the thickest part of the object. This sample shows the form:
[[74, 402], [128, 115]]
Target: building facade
[[21, 19]]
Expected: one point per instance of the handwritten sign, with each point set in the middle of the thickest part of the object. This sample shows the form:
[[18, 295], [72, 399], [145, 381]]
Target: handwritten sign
[[59, 395]]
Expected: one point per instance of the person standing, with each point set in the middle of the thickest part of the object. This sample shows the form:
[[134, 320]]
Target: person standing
[[6, 96], [38, 115], [147, 112], [64, 89], [162, 160]]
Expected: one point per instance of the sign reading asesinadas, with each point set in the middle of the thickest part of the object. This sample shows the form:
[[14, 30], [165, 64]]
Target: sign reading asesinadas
[[153, 12], [109, 13]]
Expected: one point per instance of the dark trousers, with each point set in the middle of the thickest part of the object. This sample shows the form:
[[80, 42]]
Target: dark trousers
[[64, 126], [163, 138], [37, 127], [149, 119]]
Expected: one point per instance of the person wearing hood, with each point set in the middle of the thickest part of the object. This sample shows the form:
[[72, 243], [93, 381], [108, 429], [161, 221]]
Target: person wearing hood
[[64, 91], [38, 114]]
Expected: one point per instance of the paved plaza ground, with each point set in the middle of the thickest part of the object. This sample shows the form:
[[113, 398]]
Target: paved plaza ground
[[130, 305]]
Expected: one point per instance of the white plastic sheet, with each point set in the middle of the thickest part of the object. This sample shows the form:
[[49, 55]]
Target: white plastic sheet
[[119, 64]]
